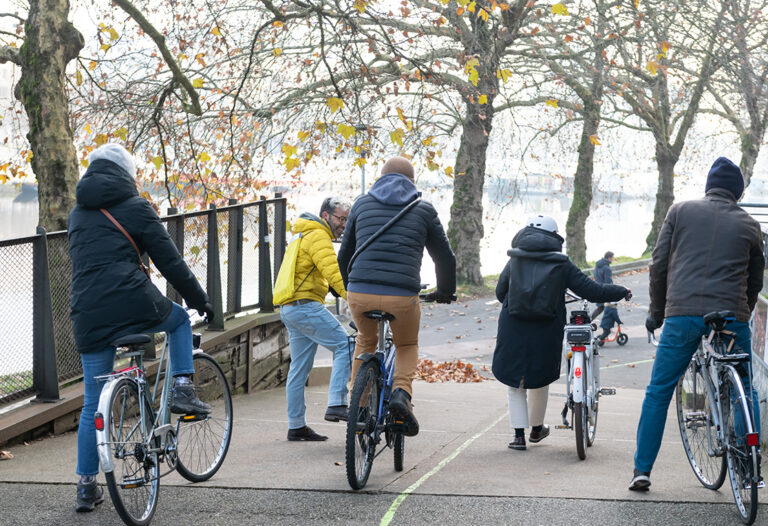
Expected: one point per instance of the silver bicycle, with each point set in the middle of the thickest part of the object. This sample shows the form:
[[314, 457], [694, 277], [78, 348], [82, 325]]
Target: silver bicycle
[[716, 416], [136, 433]]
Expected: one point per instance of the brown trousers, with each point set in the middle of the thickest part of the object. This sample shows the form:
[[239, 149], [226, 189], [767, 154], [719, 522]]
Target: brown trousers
[[405, 332]]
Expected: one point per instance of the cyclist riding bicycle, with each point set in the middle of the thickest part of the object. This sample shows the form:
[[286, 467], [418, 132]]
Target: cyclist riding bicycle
[[709, 257], [112, 296], [386, 275]]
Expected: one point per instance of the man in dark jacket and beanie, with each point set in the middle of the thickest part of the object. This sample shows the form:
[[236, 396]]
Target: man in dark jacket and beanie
[[529, 341], [709, 257], [603, 274], [386, 275], [112, 297]]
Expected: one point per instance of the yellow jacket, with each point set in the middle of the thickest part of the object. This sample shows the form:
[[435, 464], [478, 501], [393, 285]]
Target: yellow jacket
[[316, 265]]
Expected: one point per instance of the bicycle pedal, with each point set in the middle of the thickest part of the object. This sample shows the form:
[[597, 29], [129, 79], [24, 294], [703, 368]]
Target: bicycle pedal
[[608, 391], [192, 418], [563, 427]]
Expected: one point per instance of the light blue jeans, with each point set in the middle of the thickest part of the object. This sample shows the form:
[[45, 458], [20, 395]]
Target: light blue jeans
[[679, 340], [310, 325], [101, 362]]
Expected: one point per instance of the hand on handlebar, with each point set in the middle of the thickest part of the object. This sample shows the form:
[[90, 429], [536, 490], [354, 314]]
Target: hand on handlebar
[[651, 324], [438, 297], [207, 312]]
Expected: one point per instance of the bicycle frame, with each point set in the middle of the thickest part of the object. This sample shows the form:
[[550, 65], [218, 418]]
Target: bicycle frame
[[161, 425], [386, 357]]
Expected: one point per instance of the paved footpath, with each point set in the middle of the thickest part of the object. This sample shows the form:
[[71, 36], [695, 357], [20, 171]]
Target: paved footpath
[[458, 470]]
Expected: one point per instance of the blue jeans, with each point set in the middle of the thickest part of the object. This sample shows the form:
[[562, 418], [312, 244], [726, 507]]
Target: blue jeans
[[310, 325], [679, 340], [101, 362]]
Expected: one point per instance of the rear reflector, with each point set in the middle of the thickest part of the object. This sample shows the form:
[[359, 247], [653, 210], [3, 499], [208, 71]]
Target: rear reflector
[[577, 372], [753, 439], [98, 420], [578, 348]]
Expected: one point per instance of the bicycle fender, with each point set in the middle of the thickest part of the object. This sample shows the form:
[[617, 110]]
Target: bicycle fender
[[102, 437], [578, 392], [367, 357]]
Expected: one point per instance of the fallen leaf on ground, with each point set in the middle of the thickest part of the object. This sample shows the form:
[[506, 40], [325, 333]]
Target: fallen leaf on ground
[[5, 455], [631, 365], [337, 463], [453, 371], [614, 361]]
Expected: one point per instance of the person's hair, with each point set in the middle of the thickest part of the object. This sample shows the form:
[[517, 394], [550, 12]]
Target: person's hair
[[608, 254], [117, 154], [330, 204]]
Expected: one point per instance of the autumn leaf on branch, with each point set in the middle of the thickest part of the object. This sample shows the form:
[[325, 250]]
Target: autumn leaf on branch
[[334, 103], [560, 9], [594, 139]]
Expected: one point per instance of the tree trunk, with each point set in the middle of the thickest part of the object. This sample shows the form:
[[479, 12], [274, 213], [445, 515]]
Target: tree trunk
[[750, 148], [50, 43], [665, 194], [575, 227], [465, 229]]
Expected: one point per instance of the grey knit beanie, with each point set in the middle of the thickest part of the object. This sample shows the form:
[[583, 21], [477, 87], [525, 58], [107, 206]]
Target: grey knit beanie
[[117, 154]]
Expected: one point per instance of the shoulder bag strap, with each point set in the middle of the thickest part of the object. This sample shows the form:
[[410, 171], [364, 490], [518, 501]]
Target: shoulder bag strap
[[143, 267], [381, 231]]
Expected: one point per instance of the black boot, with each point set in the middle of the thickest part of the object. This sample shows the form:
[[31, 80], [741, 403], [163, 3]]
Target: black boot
[[88, 496], [305, 434], [184, 401], [402, 412]]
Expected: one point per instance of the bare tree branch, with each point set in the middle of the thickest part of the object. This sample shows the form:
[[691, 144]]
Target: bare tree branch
[[10, 54], [159, 40]]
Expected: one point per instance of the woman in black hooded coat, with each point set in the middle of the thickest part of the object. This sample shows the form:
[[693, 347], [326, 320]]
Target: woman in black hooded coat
[[529, 341], [111, 297]]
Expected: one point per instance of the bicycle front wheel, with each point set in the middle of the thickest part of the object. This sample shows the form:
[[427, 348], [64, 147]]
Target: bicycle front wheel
[[742, 458], [134, 483], [697, 427], [361, 424], [203, 443], [581, 421]]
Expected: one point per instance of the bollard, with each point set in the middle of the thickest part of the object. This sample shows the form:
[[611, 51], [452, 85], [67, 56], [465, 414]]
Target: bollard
[[45, 380], [214, 273], [280, 213]]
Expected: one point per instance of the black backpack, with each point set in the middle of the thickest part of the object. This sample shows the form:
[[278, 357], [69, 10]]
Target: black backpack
[[536, 285]]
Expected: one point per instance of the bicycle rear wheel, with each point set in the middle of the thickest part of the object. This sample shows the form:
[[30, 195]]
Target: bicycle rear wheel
[[580, 421], [361, 424], [134, 483], [203, 444], [399, 446], [592, 413], [742, 458], [697, 427]]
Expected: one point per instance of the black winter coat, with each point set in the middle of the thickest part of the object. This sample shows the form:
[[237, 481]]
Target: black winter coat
[[394, 258], [110, 296], [529, 353]]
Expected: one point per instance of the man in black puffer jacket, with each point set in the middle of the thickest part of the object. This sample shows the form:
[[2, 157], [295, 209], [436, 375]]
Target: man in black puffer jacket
[[386, 275], [529, 343], [112, 297]]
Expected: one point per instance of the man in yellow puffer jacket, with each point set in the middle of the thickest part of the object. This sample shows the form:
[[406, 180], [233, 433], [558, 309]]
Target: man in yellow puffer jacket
[[310, 324]]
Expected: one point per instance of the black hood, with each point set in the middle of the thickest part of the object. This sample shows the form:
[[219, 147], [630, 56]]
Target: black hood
[[532, 242], [105, 184], [602, 263]]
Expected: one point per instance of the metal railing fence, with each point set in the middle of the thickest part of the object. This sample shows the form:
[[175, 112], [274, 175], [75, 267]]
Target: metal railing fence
[[234, 251]]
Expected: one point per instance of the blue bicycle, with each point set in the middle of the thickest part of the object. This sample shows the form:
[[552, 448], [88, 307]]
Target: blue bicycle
[[369, 418]]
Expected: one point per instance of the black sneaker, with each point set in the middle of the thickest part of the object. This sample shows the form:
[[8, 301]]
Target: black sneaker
[[184, 401], [335, 413], [518, 443], [538, 436], [402, 412], [88, 496], [305, 434], [641, 481]]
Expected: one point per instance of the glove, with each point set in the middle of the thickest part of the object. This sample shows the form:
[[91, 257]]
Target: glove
[[652, 324], [207, 311], [438, 297], [628, 296]]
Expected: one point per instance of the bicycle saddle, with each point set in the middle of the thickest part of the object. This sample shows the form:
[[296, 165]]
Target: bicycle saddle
[[379, 315], [131, 340], [717, 319]]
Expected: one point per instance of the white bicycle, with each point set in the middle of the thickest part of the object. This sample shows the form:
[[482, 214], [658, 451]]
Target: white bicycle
[[583, 389]]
